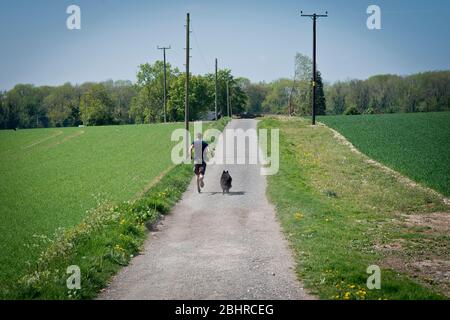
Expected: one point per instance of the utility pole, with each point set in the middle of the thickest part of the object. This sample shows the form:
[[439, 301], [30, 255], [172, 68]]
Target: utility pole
[[290, 100], [231, 105], [228, 100], [314, 83], [186, 98], [216, 92], [165, 81]]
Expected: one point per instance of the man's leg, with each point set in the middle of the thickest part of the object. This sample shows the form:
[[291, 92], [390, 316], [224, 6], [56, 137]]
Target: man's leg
[[202, 184], [197, 176], [202, 175], [198, 183]]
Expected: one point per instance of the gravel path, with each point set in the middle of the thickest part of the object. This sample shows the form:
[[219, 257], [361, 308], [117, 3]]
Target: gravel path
[[215, 246]]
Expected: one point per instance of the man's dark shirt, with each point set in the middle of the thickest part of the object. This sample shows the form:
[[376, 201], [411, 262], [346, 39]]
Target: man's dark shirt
[[199, 149]]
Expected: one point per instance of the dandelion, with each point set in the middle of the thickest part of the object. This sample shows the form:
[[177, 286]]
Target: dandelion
[[298, 216]]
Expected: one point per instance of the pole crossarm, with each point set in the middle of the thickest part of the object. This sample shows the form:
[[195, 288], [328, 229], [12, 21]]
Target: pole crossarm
[[314, 15]]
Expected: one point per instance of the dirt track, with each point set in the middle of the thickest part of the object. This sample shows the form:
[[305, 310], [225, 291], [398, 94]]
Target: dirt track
[[215, 246]]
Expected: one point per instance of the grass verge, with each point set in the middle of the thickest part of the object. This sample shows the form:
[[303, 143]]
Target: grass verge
[[107, 239], [343, 214]]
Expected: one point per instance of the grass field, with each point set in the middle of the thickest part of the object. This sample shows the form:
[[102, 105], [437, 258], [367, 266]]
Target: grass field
[[55, 178], [341, 214], [416, 145]]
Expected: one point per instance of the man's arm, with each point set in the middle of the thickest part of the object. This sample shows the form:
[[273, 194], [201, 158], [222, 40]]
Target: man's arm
[[191, 148]]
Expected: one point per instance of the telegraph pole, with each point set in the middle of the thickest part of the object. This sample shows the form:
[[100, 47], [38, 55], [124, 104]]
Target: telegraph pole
[[216, 92], [228, 100], [165, 81], [186, 98], [231, 105], [314, 17]]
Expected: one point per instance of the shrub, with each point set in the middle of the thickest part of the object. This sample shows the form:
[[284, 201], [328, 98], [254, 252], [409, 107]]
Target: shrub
[[352, 110]]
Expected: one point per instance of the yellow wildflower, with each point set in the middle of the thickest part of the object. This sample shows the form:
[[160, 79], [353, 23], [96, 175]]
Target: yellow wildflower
[[298, 216]]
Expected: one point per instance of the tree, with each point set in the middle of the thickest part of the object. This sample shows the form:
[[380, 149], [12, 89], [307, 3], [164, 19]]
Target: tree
[[201, 98], [63, 106], [359, 95], [320, 96], [147, 105], [301, 87], [24, 106], [277, 98], [96, 106], [3, 110], [336, 98], [239, 97], [256, 93], [122, 94]]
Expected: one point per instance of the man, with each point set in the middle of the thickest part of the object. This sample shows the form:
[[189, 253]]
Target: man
[[199, 148]]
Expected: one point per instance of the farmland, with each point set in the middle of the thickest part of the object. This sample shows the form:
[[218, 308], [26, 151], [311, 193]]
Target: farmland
[[52, 178], [416, 145]]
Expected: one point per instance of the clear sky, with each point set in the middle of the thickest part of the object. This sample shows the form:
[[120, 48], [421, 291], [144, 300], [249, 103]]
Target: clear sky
[[255, 38]]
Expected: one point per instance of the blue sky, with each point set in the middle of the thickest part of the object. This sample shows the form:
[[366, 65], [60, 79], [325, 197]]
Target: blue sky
[[256, 39]]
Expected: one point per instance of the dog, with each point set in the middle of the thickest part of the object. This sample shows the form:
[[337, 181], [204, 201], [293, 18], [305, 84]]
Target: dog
[[225, 182]]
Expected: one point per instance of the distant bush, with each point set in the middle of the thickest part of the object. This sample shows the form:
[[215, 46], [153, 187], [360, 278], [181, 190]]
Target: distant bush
[[369, 111], [352, 110]]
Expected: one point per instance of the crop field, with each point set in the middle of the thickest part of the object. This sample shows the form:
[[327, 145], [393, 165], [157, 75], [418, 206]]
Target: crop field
[[416, 145], [51, 178]]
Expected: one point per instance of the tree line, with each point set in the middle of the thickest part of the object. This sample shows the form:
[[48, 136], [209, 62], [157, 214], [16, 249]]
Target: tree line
[[119, 102], [422, 92], [27, 106], [125, 102], [288, 96]]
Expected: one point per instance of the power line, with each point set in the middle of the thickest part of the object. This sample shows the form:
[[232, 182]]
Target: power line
[[202, 56]]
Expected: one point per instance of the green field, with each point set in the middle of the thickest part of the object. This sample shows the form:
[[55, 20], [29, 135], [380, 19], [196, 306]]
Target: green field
[[416, 144], [51, 178]]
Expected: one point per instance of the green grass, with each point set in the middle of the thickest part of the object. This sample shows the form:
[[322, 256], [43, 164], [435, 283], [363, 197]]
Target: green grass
[[337, 209], [73, 179], [106, 240], [416, 144]]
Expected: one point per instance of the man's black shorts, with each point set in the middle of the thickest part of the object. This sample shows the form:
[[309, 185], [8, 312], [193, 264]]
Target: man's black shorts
[[200, 169]]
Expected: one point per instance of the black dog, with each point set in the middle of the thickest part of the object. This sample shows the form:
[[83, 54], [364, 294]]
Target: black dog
[[225, 182]]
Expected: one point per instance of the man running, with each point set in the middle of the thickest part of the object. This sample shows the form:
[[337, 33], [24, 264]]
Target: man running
[[199, 148]]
